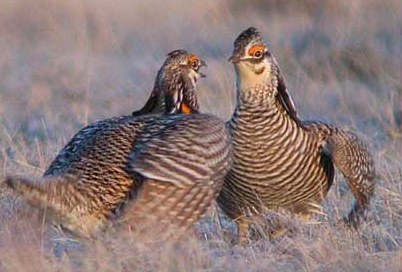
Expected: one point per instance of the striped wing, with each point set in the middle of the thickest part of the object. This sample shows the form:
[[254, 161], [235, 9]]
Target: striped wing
[[183, 153], [352, 158], [82, 142], [182, 168], [163, 210]]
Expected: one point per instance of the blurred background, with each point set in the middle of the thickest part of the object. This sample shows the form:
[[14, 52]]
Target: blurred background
[[65, 64], [79, 61]]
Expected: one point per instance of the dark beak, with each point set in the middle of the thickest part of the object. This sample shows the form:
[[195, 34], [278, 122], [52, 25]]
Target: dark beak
[[235, 58], [202, 63]]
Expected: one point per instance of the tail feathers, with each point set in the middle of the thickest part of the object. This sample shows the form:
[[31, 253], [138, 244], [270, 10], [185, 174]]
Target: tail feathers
[[55, 195]]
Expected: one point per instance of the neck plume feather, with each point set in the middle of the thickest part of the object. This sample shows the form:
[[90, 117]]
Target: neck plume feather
[[286, 101], [150, 106]]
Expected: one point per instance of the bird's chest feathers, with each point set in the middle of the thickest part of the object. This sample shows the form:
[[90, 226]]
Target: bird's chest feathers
[[272, 135]]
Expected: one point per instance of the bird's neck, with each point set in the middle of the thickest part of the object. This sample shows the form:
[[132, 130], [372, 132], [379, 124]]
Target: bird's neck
[[180, 95], [256, 90], [260, 102]]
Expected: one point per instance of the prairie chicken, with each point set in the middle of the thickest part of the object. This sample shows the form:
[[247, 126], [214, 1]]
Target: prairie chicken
[[175, 85], [164, 168], [279, 160]]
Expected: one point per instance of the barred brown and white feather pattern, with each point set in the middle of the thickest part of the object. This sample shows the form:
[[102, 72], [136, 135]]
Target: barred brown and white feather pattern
[[163, 210], [182, 184], [189, 178], [123, 160], [113, 162], [275, 163], [200, 146], [281, 161]]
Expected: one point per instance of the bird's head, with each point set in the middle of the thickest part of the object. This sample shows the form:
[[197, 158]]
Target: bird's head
[[175, 85], [177, 79], [186, 63], [258, 77], [253, 61]]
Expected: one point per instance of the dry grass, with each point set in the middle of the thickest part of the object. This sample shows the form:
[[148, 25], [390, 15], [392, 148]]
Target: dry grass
[[66, 64]]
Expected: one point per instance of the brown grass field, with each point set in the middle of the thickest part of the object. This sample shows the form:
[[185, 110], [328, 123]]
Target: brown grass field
[[65, 64]]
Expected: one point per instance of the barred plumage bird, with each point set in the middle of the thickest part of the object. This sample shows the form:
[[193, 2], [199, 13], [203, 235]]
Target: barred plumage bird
[[281, 161], [175, 85], [174, 92], [129, 169]]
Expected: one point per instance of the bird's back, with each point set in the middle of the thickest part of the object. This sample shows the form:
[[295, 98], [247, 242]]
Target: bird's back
[[134, 161], [91, 142]]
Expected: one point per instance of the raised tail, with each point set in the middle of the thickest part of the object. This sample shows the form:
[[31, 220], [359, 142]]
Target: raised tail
[[34, 192], [57, 196]]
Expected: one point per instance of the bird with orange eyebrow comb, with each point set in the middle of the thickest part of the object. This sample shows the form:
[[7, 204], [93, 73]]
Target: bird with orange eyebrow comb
[[138, 170], [175, 85], [281, 161]]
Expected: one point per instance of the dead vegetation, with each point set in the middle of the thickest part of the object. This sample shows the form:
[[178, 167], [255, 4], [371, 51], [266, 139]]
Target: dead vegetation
[[66, 64]]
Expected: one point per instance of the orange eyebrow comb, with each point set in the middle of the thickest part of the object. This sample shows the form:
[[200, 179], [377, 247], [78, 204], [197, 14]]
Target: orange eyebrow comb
[[193, 58], [255, 48]]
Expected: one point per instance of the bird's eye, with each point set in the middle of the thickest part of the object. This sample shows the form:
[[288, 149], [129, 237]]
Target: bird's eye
[[194, 65], [257, 51], [258, 54]]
